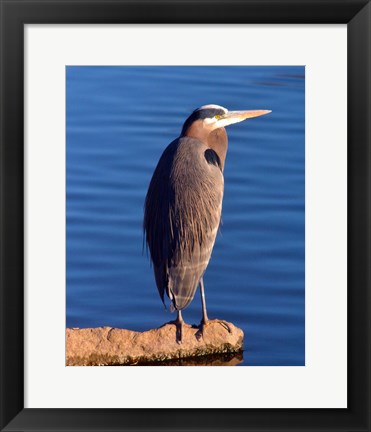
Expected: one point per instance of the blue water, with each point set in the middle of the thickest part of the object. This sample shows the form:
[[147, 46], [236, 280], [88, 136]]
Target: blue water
[[119, 121]]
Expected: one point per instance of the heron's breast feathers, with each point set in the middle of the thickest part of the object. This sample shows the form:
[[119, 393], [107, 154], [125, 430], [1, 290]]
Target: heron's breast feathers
[[196, 209], [183, 205]]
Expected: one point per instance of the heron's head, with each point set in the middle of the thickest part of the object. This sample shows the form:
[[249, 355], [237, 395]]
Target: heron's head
[[210, 117]]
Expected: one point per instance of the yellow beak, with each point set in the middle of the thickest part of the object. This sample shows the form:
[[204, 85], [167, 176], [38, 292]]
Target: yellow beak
[[238, 116]]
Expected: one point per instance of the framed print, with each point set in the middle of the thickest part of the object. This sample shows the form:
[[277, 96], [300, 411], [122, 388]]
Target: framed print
[[117, 117], [269, 237]]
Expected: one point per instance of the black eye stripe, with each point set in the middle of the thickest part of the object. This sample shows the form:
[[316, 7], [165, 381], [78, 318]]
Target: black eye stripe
[[201, 114], [207, 113]]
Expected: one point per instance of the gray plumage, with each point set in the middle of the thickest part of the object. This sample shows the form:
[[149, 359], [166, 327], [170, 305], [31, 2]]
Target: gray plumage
[[182, 215]]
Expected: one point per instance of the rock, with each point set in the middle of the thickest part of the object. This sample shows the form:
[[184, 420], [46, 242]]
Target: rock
[[111, 346]]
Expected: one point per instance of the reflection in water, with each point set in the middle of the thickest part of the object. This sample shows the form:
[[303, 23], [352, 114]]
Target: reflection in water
[[230, 359]]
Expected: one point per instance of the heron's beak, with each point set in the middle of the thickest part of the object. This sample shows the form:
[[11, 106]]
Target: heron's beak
[[238, 116]]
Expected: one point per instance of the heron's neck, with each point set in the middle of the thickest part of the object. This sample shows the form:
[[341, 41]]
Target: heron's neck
[[218, 141]]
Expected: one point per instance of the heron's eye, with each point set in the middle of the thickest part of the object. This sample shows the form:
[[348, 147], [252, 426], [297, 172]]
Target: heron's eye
[[217, 117]]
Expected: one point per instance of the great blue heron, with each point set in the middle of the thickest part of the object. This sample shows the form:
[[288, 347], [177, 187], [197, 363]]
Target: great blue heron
[[184, 203]]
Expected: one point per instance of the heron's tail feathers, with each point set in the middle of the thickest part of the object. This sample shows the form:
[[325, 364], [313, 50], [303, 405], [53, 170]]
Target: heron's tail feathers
[[181, 297]]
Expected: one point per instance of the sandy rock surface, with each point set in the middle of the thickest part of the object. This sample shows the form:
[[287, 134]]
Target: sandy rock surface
[[112, 346]]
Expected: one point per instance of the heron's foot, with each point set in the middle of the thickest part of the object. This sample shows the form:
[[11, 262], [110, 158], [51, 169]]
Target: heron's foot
[[179, 332], [204, 324], [179, 324], [201, 329]]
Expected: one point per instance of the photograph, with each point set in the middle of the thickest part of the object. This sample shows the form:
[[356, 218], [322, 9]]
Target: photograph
[[185, 215]]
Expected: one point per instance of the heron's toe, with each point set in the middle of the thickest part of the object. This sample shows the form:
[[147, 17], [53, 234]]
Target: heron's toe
[[201, 329], [225, 325]]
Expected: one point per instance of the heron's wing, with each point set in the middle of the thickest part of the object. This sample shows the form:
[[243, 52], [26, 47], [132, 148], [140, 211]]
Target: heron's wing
[[156, 225]]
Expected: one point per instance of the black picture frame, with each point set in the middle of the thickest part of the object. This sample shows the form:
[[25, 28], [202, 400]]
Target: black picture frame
[[14, 14]]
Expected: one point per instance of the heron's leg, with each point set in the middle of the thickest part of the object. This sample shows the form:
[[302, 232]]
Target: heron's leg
[[205, 318], [179, 327]]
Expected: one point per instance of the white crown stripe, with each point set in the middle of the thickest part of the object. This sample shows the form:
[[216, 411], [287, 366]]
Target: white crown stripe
[[212, 106]]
